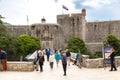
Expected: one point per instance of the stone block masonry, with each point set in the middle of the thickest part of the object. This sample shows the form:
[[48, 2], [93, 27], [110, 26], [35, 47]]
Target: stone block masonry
[[20, 66]]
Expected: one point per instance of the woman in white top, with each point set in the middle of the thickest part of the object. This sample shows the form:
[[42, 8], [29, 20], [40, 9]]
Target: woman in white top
[[51, 60]]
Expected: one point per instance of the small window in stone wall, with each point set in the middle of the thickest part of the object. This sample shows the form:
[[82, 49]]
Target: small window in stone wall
[[95, 26], [32, 27], [56, 27], [37, 32], [46, 27], [73, 24], [61, 21], [78, 21]]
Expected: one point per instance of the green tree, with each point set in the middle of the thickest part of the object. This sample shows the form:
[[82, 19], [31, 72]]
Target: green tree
[[8, 43], [3, 29], [75, 44], [112, 41], [28, 44], [11, 45]]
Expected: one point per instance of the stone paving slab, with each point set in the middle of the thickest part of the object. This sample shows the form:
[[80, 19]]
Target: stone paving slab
[[73, 73]]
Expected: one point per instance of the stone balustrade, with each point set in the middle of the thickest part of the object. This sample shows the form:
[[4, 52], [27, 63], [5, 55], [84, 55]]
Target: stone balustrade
[[99, 63], [95, 63], [20, 66], [88, 63]]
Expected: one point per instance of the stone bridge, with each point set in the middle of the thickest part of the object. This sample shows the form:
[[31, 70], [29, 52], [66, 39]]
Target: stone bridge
[[73, 73]]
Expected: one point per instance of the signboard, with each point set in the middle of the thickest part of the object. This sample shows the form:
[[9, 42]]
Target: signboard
[[107, 54]]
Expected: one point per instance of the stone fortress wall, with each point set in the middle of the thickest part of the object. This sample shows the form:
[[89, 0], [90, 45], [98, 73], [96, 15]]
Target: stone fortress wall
[[96, 32], [55, 36]]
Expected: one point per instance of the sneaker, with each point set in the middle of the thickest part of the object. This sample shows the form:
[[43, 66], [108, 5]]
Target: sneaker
[[115, 70], [64, 75]]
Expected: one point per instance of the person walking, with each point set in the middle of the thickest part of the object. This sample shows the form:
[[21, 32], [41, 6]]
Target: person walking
[[76, 58], [41, 60], [48, 51], [51, 60], [80, 60], [36, 63], [64, 62], [57, 57], [3, 60], [68, 55], [112, 59]]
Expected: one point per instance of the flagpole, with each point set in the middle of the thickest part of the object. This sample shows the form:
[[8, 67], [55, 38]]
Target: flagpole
[[27, 28], [27, 20], [62, 10]]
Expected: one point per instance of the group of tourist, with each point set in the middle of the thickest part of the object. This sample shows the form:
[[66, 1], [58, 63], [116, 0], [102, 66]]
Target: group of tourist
[[65, 57], [56, 55]]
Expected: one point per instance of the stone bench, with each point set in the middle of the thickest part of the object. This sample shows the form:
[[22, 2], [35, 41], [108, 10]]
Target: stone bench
[[20, 66]]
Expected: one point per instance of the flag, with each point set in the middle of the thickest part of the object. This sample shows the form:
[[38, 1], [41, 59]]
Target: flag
[[64, 7]]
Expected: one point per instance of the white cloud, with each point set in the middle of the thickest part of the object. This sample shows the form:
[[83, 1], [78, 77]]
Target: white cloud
[[36, 9], [102, 9], [96, 3], [15, 11]]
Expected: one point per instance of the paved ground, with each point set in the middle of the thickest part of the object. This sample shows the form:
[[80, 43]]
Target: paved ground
[[73, 73]]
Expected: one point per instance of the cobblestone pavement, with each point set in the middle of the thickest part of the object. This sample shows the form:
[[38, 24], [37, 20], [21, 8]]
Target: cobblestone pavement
[[73, 73]]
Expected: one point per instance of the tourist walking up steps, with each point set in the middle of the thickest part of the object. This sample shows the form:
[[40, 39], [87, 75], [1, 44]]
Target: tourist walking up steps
[[41, 60], [112, 59], [64, 62]]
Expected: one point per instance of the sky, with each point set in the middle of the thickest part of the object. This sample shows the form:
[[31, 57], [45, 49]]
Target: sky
[[17, 12]]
